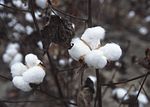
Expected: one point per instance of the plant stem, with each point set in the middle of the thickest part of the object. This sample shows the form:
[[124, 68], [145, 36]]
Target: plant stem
[[98, 89], [89, 13]]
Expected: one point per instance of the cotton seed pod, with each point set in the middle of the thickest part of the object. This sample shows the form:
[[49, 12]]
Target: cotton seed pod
[[95, 59], [41, 3], [111, 51], [18, 69], [79, 49], [92, 36], [21, 84], [31, 60], [35, 75]]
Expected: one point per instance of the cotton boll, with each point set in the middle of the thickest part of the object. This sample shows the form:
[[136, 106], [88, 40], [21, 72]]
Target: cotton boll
[[95, 59], [11, 52], [17, 3], [13, 45], [21, 84], [19, 28], [111, 51], [41, 3], [62, 62], [31, 60], [92, 36], [120, 93], [141, 98], [78, 49], [93, 78], [17, 58], [18, 69], [29, 30], [35, 75], [28, 17], [7, 58], [40, 44]]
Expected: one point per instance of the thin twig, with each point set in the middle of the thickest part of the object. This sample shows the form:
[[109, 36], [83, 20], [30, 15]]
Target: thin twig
[[13, 8], [98, 90], [126, 81], [142, 84], [6, 78], [69, 15]]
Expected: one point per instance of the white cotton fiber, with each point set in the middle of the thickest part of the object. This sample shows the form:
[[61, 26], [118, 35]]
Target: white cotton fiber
[[35, 75], [18, 69], [31, 60], [111, 51], [92, 36], [78, 49], [13, 45], [41, 3], [11, 52], [17, 58], [21, 84], [141, 98], [120, 93], [6, 58], [95, 59]]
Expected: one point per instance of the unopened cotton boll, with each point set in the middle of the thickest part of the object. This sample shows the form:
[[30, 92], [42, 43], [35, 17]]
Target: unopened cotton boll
[[11, 52], [79, 49], [31, 60], [95, 59], [18, 69], [111, 51], [35, 75], [17, 58], [120, 93], [21, 84], [6, 58], [92, 36], [41, 3]]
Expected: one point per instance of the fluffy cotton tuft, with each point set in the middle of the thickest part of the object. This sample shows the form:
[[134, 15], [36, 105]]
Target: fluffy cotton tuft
[[111, 51], [31, 60], [78, 49], [35, 75], [95, 59], [6, 58], [13, 45], [18, 69], [120, 93], [93, 78], [41, 3], [21, 84], [11, 52], [17, 58], [92, 36], [141, 98]]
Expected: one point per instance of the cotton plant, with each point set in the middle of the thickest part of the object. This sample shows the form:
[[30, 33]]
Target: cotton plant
[[12, 54], [30, 72], [89, 50]]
